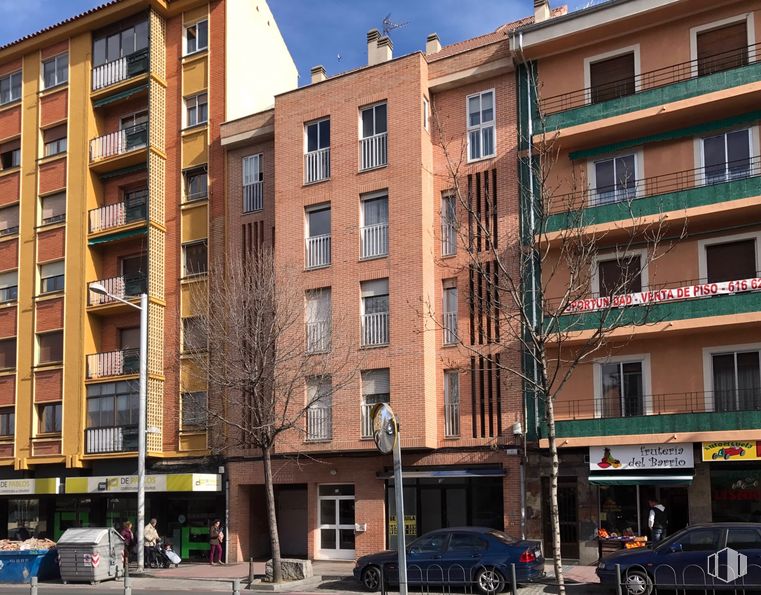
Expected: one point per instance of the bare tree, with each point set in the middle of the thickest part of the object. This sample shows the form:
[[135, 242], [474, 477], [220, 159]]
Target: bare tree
[[535, 282], [272, 364]]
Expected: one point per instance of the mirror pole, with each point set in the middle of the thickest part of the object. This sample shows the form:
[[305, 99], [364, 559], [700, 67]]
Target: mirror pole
[[400, 524]]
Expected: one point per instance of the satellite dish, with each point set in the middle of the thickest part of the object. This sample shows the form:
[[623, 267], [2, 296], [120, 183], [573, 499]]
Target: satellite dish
[[385, 428]]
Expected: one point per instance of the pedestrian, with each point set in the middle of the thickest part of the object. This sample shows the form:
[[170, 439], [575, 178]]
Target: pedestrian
[[150, 539], [129, 540], [657, 520], [216, 536]]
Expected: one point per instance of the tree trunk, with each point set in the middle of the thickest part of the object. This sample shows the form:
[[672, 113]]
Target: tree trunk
[[554, 512], [277, 575]]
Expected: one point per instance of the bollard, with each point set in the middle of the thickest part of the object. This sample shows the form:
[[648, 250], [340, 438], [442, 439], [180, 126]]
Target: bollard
[[127, 585], [33, 586], [250, 572], [236, 586], [618, 580], [513, 580]]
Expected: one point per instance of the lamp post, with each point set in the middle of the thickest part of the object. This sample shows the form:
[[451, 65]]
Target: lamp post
[[142, 398]]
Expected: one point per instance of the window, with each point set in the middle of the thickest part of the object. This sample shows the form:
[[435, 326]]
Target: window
[[426, 112], [53, 208], [374, 120], [701, 540], [612, 78], [253, 180], [197, 37], [55, 71], [318, 320], [8, 286], [375, 321], [374, 143], [726, 156], [622, 389], [449, 323], [10, 87], [615, 179], [196, 183], [620, 275], [10, 154], [451, 403], [129, 338], [8, 220], [481, 126], [374, 226], [54, 140], [466, 542], [113, 404], [8, 353], [194, 259], [134, 266], [744, 539], [50, 347], [118, 44], [317, 151], [722, 48], [736, 380], [194, 410], [50, 418], [448, 225], [318, 135], [429, 545], [193, 335], [376, 389], [318, 237], [7, 421], [319, 408], [52, 277], [196, 110], [731, 261]]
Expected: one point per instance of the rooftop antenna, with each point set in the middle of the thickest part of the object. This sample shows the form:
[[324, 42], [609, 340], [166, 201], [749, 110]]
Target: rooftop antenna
[[389, 25]]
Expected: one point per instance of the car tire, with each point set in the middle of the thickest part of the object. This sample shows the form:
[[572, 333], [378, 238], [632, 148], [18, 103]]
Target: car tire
[[489, 581], [637, 582], [371, 579]]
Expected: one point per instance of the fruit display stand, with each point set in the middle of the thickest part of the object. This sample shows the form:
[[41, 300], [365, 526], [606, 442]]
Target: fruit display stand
[[610, 544]]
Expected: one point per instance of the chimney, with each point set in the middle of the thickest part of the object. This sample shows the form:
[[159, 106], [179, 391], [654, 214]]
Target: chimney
[[432, 44], [372, 46], [542, 10], [385, 49], [318, 74]]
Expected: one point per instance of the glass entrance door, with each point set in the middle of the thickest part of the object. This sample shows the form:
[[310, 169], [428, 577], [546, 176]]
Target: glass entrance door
[[336, 522]]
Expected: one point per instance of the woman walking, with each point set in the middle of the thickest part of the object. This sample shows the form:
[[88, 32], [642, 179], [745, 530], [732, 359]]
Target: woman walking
[[216, 537]]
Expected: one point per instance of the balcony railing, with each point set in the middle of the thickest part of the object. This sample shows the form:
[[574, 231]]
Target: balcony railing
[[374, 329], [374, 239], [113, 363], [109, 440], [366, 420], [253, 197], [451, 420], [123, 287], [119, 142], [449, 325], [652, 79], [319, 423], [318, 251], [115, 71], [318, 336], [317, 165], [659, 404], [664, 184], [373, 151], [118, 214]]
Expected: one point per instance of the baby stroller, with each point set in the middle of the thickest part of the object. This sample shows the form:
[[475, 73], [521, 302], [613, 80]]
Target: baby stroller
[[161, 555]]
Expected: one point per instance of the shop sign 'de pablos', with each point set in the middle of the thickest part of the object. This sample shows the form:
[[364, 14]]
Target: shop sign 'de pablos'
[[644, 456]]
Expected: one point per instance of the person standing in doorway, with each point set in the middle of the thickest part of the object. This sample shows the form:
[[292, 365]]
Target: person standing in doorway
[[216, 536], [657, 520]]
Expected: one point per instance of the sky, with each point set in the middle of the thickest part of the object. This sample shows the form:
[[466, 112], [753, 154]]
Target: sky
[[319, 31]]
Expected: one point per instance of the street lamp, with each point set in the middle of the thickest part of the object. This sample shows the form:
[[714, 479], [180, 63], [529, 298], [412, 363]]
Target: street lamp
[[142, 398]]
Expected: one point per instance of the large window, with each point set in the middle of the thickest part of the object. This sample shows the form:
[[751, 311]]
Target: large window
[[10, 87], [194, 258], [375, 313], [8, 353], [196, 110], [376, 388], [318, 236], [481, 129], [193, 335], [448, 224], [52, 277], [615, 179], [736, 380], [318, 320], [726, 156], [113, 404], [253, 183], [54, 141], [611, 78], [619, 275], [117, 44], [10, 154], [374, 141], [55, 71], [196, 183], [49, 416], [374, 226], [623, 389], [194, 410], [731, 261], [197, 37], [9, 220], [451, 403], [319, 408], [53, 208], [722, 48], [50, 347], [8, 286], [317, 151], [7, 421], [449, 322]]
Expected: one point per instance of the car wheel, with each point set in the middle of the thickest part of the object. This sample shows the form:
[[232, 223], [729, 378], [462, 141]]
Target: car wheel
[[637, 582], [371, 579], [490, 580]]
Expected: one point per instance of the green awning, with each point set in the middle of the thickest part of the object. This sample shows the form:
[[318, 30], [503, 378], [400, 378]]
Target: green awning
[[108, 99], [118, 236], [633, 480]]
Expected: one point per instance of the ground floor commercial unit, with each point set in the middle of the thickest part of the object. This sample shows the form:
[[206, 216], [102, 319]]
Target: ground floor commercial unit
[[610, 488], [342, 507]]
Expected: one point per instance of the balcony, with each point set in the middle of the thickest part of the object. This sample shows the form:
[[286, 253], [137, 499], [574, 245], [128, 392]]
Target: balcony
[[374, 329], [318, 251], [118, 215], [253, 197], [119, 70], [653, 88], [120, 142], [123, 287], [319, 424], [318, 336], [111, 440], [449, 326], [373, 151], [451, 420], [374, 240], [113, 363], [317, 166], [675, 191]]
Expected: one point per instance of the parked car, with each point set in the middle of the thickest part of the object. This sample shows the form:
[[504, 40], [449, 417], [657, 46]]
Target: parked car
[[456, 556], [715, 555]]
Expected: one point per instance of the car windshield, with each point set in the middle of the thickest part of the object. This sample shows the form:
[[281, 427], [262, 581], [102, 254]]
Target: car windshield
[[503, 537], [666, 543]]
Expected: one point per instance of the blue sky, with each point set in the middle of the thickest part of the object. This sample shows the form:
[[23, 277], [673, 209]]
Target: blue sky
[[318, 31]]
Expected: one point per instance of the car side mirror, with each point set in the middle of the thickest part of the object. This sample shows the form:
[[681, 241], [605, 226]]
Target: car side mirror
[[675, 547], [413, 550]]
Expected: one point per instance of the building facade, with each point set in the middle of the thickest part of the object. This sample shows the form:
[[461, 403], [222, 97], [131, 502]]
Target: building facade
[[651, 105], [112, 173]]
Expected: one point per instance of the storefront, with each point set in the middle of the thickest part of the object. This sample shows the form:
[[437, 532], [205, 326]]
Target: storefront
[[26, 504], [735, 469]]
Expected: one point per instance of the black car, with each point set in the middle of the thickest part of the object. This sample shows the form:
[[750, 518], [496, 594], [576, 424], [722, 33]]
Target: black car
[[457, 556], [715, 555]]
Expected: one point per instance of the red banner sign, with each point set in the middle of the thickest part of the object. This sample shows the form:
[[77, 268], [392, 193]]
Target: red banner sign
[[657, 296]]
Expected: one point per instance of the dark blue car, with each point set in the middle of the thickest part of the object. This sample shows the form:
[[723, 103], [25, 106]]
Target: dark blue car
[[715, 555], [478, 556]]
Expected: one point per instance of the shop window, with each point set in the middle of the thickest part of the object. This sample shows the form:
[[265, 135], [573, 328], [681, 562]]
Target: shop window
[[620, 275], [622, 390], [722, 48], [49, 416], [24, 518], [618, 509], [612, 78], [731, 261], [736, 381]]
